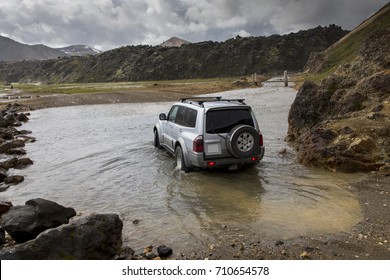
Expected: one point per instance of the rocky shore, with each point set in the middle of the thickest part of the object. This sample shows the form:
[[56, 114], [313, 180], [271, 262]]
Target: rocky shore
[[12, 142]]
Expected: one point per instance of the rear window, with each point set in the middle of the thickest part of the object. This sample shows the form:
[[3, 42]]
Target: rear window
[[222, 121]]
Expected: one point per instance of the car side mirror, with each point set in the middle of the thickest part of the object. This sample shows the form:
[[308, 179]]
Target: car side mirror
[[162, 117]]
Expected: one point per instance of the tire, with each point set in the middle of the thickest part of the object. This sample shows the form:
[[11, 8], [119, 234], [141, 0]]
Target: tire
[[180, 162], [242, 141], [157, 140]]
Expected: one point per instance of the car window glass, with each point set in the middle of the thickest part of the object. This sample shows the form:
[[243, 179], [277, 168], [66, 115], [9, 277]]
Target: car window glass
[[191, 117], [181, 115], [186, 116], [172, 114], [222, 121]]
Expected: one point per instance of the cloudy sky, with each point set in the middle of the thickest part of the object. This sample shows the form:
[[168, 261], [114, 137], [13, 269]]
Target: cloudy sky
[[107, 24]]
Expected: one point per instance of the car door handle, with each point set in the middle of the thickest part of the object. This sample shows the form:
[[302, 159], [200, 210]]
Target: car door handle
[[181, 130]]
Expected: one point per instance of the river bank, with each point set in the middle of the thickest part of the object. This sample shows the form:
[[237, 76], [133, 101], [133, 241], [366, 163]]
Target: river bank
[[369, 239]]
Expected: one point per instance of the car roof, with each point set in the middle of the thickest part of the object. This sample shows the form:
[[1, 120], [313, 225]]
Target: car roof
[[212, 102]]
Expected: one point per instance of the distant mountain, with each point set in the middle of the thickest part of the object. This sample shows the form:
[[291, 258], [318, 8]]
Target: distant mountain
[[79, 50], [11, 50], [174, 42]]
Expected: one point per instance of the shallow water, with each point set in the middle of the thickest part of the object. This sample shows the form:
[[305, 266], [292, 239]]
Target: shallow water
[[101, 159]]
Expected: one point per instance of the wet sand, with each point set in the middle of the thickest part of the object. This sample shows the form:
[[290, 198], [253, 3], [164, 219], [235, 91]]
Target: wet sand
[[369, 239]]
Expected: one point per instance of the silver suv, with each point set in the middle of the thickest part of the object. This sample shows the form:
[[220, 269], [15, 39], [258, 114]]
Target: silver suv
[[210, 132]]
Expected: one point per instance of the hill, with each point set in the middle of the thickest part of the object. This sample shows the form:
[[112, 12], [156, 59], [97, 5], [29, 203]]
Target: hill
[[234, 57], [11, 50], [346, 49], [342, 122], [174, 42]]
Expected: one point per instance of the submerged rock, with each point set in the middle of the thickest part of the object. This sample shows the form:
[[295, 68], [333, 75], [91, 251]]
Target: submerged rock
[[14, 179]]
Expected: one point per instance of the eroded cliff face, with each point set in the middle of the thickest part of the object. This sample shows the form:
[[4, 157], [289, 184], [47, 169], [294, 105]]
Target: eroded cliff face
[[343, 123]]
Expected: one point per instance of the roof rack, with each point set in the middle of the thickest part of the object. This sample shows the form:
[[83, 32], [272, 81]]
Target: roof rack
[[201, 100]]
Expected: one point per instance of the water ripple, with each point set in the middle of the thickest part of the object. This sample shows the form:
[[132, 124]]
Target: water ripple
[[101, 159]]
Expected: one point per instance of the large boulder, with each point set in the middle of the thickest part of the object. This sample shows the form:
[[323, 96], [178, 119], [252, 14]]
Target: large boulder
[[24, 223], [93, 237]]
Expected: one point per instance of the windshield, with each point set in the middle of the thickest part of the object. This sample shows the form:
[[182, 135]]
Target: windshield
[[222, 121]]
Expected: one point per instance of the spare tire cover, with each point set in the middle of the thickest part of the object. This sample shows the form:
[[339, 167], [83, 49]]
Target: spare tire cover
[[242, 141]]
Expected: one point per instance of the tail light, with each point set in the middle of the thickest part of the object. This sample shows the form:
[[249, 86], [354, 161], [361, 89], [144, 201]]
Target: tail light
[[198, 144], [260, 139]]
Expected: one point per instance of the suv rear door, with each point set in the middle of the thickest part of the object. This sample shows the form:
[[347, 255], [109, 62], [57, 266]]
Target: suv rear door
[[219, 122]]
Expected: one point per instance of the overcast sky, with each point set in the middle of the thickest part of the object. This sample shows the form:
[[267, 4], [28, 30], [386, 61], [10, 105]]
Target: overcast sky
[[107, 24]]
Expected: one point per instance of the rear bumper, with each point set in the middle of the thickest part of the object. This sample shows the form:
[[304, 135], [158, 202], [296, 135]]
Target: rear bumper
[[197, 160]]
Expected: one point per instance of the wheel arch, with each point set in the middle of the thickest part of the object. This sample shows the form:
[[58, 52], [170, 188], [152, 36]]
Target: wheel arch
[[180, 142]]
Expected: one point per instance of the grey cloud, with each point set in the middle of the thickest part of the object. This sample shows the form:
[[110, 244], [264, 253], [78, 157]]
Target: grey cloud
[[114, 23]]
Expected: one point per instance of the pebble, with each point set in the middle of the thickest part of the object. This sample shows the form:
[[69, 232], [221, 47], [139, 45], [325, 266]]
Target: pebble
[[148, 249], [282, 151], [150, 256], [279, 243], [164, 251], [304, 256]]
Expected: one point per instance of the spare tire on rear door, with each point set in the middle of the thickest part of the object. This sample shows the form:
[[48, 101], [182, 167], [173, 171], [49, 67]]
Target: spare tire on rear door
[[242, 141]]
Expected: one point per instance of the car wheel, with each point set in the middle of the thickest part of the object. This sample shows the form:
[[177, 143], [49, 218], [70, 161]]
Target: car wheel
[[157, 140], [242, 141], [180, 163]]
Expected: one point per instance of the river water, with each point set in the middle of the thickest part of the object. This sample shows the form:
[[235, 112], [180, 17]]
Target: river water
[[101, 159]]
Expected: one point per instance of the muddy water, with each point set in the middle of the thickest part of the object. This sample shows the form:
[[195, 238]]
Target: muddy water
[[101, 159]]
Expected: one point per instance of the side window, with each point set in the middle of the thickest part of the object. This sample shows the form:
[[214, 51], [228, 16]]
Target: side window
[[181, 116], [191, 117], [186, 117], [172, 114]]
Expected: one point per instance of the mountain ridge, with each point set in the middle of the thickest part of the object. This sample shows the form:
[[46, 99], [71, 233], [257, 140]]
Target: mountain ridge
[[11, 50], [232, 58]]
